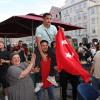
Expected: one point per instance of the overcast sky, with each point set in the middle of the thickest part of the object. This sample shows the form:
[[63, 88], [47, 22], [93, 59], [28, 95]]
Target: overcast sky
[[10, 8]]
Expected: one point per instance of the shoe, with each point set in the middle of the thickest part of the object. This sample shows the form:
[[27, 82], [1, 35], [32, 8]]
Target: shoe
[[52, 80], [38, 87], [6, 98]]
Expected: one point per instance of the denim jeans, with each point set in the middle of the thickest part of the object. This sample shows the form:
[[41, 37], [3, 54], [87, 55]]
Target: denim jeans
[[51, 93], [96, 84]]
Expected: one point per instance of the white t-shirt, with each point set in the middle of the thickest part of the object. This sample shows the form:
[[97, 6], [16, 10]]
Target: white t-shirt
[[41, 32], [97, 65]]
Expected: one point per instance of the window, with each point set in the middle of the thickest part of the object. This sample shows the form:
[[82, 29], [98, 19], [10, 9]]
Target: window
[[79, 16], [77, 9], [75, 19], [93, 20], [80, 6], [70, 19], [70, 10], [85, 16], [93, 31], [79, 31], [85, 28], [84, 5], [92, 11], [66, 12], [72, 1]]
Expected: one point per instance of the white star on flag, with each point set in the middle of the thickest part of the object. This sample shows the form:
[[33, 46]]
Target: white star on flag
[[68, 55], [64, 42]]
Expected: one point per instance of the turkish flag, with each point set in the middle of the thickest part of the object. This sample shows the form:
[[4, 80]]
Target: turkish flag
[[67, 58]]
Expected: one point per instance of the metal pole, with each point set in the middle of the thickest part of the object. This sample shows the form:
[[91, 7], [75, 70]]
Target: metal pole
[[32, 38], [4, 41]]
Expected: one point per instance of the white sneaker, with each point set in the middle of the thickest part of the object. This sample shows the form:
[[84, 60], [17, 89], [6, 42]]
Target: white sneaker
[[38, 87], [52, 80], [6, 97]]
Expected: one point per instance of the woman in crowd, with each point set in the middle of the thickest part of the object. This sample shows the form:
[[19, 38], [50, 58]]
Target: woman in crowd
[[95, 69], [21, 86]]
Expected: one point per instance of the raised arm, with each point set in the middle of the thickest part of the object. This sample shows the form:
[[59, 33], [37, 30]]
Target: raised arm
[[28, 69]]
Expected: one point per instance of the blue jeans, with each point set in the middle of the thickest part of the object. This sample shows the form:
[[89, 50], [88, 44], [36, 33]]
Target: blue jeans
[[96, 84], [51, 93]]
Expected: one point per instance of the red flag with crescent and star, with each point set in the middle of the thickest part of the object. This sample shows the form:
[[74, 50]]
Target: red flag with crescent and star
[[67, 58]]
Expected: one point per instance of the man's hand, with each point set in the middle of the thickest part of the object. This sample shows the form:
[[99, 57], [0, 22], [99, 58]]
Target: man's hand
[[61, 28], [33, 59], [36, 69], [56, 68]]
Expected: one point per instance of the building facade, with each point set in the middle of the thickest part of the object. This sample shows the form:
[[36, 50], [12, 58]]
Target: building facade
[[83, 13], [78, 12], [94, 12], [56, 13]]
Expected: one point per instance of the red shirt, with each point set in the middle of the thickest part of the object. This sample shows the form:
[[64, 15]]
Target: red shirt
[[18, 47], [26, 51], [45, 69]]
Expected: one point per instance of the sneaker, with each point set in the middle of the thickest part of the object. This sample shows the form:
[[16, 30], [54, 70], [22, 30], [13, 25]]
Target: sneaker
[[52, 80], [38, 87], [6, 97]]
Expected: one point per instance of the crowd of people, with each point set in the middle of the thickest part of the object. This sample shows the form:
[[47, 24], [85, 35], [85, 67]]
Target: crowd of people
[[17, 63]]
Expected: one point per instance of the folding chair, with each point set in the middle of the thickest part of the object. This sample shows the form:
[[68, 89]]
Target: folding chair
[[87, 92]]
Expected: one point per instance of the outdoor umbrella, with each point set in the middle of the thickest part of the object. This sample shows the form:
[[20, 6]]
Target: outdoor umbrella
[[25, 25]]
